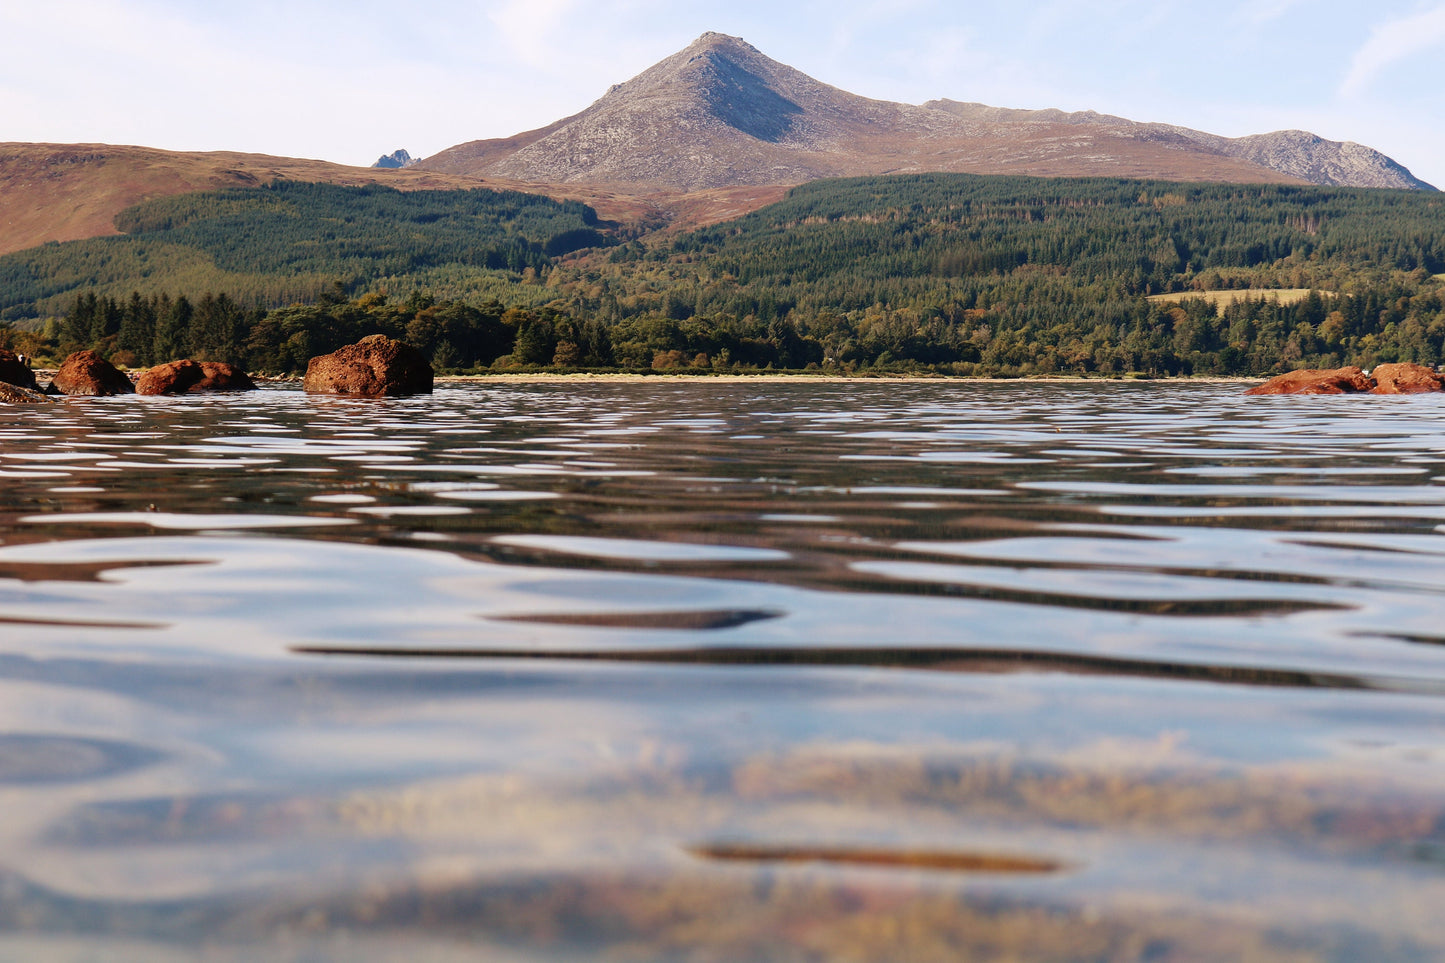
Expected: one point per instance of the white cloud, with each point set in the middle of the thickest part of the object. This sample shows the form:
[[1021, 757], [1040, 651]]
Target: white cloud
[[1391, 43]]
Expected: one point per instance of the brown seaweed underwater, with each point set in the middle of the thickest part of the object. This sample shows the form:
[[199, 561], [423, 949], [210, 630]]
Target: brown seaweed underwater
[[724, 671]]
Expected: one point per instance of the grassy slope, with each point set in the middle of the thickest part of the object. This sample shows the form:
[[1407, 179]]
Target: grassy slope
[[64, 192]]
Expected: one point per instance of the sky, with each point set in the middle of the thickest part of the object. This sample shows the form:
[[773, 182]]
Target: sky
[[349, 80]]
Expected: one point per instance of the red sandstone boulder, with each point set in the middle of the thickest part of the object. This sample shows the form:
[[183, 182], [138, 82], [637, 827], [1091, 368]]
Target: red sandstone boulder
[[180, 377], [1406, 379], [15, 372], [374, 367], [15, 395], [1313, 381], [87, 374]]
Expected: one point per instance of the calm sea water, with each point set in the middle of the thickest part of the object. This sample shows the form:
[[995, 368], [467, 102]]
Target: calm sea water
[[724, 671]]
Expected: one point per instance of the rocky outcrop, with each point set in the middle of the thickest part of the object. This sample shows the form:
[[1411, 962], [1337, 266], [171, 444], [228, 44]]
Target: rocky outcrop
[[396, 160], [1406, 379], [87, 374], [374, 367], [15, 395], [1316, 381], [181, 377], [15, 372], [1312, 158], [1295, 153]]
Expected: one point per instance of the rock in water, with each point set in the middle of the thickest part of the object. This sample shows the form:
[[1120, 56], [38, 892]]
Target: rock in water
[[180, 377], [87, 374], [1315, 381], [15, 372], [1406, 379], [15, 395], [374, 367]]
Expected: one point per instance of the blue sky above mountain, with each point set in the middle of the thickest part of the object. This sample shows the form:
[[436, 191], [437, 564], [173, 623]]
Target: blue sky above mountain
[[349, 81]]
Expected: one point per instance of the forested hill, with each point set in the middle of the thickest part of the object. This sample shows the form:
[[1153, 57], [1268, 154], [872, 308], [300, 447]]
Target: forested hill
[[1021, 275], [845, 245], [291, 241], [960, 274]]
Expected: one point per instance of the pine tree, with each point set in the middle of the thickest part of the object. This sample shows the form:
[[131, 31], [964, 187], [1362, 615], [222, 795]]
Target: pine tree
[[173, 332]]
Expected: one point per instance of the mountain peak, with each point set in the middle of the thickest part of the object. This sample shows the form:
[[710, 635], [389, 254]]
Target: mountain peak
[[714, 39], [724, 43], [719, 113]]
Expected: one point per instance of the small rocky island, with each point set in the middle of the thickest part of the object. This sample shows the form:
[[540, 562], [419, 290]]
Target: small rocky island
[[374, 367], [1385, 379]]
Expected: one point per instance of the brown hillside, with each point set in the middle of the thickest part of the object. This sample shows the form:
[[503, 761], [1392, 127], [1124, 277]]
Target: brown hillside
[[721, 114], [63, 192]]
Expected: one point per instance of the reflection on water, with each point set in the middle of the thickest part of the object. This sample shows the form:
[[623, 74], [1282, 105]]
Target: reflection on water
[[702, 671]]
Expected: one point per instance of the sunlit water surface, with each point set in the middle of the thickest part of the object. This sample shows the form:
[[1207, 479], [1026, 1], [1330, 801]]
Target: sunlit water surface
[[724, 671]]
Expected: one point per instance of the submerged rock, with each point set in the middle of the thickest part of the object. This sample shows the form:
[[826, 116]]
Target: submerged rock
[[1406, 379], [14, 371], [374, 367], [16, 395], [181, 377], [1315, 381], [87, 374]]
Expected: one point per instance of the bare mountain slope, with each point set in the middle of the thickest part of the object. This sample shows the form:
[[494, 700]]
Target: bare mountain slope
[[721, 114], [1319, 161], [1297, 153]]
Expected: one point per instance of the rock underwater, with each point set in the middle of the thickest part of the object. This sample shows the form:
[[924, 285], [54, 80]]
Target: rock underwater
[[182, 377], [374, 367], [87, 374], [16, 395]]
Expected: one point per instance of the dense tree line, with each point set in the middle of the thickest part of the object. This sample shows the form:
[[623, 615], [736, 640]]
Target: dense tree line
[[1255, 336], [140, 331]]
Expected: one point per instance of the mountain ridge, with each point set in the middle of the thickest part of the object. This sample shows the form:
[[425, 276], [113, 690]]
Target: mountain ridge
[[1299, 153], [720, 113]]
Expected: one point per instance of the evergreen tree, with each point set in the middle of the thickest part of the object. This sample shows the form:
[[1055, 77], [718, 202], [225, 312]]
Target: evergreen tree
[[136, 336], [173, 332]]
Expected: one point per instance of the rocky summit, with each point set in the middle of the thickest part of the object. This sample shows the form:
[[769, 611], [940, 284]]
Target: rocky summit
[[396, 160], [722, 114]]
